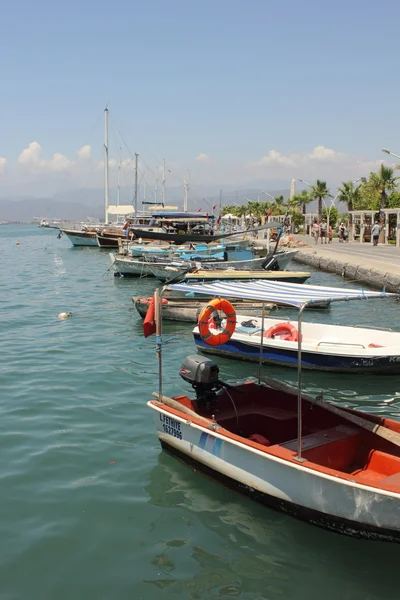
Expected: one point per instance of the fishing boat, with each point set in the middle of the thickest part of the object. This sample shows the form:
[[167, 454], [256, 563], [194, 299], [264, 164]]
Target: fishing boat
[[334, 467], [336, 348]]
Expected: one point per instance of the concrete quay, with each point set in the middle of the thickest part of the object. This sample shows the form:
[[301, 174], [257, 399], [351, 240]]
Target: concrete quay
[[378, 266]]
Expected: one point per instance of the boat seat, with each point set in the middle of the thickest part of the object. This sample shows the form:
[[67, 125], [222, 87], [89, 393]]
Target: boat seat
[[392, 481], [323, 437]]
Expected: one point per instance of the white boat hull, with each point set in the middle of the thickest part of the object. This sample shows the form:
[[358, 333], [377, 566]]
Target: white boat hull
[[317, 497], [79, 239]]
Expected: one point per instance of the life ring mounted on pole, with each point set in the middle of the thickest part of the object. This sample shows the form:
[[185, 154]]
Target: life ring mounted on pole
[[285, 331], [206, 319]]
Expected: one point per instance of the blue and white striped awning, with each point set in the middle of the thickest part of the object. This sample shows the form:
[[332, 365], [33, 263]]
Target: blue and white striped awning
[[290, 294]]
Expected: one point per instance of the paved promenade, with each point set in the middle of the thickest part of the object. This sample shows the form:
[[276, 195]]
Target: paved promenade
[[378, 266]]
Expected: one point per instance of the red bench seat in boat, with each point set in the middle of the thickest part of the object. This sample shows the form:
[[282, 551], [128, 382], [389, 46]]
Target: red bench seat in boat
[[335, 447], [380, 466]]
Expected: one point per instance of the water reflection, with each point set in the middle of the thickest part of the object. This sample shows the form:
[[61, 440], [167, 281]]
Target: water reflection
[[227, 545]]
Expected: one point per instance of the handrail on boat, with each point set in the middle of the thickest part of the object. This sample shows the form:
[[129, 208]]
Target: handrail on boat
[[340, 344], [373, 327]]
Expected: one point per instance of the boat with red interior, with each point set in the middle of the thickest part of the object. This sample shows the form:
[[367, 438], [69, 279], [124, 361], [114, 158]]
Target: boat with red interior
[[332, 466]]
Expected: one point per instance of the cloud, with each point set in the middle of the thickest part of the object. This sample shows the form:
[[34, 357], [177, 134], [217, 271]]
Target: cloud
[[204, 158], [30, 158], [85, 152], [2, 163], [275, 158]]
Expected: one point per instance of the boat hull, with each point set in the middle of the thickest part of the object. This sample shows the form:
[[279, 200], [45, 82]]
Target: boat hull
[[81, 238], [294, 488], [130, 267]]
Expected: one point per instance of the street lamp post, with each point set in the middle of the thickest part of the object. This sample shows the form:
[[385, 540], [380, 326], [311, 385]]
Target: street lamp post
[[386, 151]]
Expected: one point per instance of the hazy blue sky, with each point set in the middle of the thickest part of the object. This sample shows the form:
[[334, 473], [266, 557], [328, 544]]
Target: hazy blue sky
[[249, 88]]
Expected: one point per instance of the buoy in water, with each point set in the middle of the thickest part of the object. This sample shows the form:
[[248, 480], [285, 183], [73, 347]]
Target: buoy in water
[[17, 244], [64, 315]]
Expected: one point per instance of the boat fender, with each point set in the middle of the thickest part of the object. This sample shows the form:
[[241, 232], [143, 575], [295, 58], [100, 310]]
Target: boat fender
[[206, 320], [285, 331]]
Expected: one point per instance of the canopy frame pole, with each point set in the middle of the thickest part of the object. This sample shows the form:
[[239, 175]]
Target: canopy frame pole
[[299, 458], [261, 342], [158, 318]]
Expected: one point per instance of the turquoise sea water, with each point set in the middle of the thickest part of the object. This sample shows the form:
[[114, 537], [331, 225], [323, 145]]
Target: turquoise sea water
[[90, 507]]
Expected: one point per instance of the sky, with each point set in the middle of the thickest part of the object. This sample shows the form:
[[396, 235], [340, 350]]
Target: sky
[[240, 93]]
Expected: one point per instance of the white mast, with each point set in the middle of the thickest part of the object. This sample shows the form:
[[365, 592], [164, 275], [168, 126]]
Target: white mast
[[156, 187], [136, 182], [186, 190], [163, 183], [145, 186], [106, 184], [119, 176]]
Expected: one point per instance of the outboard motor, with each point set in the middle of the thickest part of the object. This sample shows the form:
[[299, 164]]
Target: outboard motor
[[203, 375]]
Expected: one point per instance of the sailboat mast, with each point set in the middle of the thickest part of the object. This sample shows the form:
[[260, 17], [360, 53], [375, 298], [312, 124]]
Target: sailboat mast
[[119, 177], [106, 184], [145, 186], [136, 182], [156, 187], [186, 190], [163, 183]]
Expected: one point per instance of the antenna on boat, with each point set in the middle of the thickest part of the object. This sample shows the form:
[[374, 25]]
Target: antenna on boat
[[106, 184]]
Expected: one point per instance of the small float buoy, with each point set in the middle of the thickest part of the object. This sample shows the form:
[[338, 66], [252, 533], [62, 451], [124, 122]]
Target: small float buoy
[[17, 244], [64, 315]]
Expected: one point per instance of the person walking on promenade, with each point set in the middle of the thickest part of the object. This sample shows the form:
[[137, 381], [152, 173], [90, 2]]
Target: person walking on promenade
[[315, 231], [375, 231], [323, 231], [330, 235]]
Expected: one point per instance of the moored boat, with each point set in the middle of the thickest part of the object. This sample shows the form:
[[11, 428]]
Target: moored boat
[[246, 275], [80, 238]]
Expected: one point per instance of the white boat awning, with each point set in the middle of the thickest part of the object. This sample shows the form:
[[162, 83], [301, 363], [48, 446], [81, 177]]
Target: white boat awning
[[290, 294]]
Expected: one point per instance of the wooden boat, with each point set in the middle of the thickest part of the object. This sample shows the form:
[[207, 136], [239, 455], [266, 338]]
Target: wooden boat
[[109, 239], [236, 275], [328, 465], [181, 238], [187, 309]]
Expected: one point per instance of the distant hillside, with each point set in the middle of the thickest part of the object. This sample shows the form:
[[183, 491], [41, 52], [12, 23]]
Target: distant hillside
[[82, 203]]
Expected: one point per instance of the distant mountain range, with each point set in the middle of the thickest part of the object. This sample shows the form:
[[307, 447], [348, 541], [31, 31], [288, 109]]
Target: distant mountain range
[[80, 204]]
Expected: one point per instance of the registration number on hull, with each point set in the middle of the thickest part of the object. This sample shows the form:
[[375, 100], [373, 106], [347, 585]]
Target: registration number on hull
[[171, 426]]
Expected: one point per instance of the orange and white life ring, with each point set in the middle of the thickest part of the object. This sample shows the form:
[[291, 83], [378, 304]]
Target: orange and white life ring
[[285, 330], [205, 320]]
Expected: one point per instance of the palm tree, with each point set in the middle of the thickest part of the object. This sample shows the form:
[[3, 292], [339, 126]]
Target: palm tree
[[382, 182], [302, 199], [319, 191]]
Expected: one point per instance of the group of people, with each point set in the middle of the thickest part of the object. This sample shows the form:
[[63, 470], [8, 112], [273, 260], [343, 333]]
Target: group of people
[[321, 230]]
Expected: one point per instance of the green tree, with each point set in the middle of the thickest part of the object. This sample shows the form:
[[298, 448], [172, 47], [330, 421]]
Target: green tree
[[319, 191], [382, 182]]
